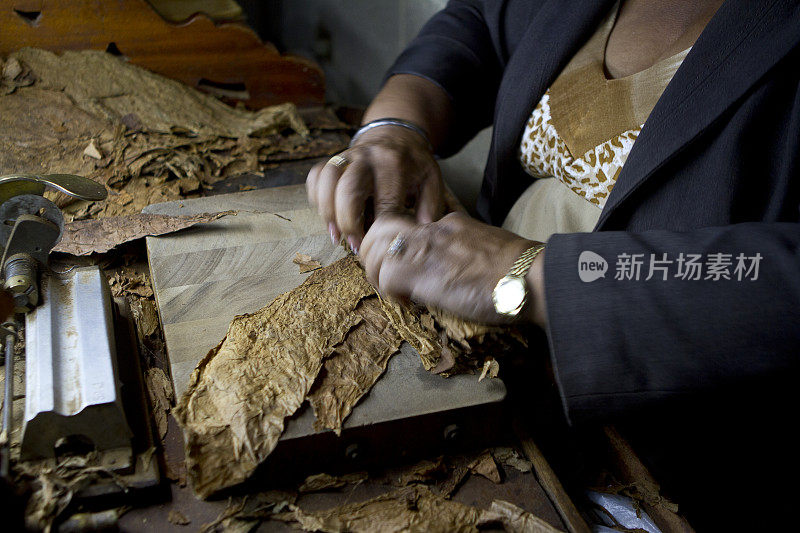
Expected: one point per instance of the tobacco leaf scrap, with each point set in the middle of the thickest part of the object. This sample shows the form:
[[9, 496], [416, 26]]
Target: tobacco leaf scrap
[[354, 367], [306, 262], [159, 389], [54, 486], [108, 87], [243, 515], [515, 519], [13, 75], [512, 458], [413, 508], [448, 344], [233, 411], [178, 518], [147, 138], [485, 466], [453, 482], [319, 482], [491, 368], [416, 328], [145, 316], [425, 471], [85, 237]]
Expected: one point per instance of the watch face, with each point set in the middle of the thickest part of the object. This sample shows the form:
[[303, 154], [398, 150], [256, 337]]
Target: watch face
[[509, 295]]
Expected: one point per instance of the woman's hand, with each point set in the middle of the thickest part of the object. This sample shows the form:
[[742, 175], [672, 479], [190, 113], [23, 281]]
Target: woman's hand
[[453, 264], [391, 165]]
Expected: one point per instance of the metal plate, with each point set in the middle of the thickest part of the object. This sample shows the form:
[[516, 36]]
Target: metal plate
[[28, 204], [71, 377]]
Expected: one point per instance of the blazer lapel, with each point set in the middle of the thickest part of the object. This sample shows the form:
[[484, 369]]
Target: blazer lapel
[[552, 37], [741, 43]]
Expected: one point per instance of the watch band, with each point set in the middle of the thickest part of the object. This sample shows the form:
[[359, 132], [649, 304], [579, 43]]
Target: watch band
[[524, 262], [391, 122]]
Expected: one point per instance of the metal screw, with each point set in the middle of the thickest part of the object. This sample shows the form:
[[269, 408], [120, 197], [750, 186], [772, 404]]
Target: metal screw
[[451, 432], [352, 452]]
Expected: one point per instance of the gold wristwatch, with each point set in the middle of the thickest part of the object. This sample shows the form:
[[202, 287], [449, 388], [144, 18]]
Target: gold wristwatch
[[511, 292]]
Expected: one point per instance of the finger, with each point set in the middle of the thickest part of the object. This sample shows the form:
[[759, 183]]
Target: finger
[[430, 205], [453, 222], [352, 191], [390, 193], [396, 276], [451, 203], [376, 242], [384, 230], [407, 273], [312, 182], [326, 197]]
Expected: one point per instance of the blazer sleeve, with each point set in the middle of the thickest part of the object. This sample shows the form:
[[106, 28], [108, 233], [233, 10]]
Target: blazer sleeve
[[620, 344], [456, 51]]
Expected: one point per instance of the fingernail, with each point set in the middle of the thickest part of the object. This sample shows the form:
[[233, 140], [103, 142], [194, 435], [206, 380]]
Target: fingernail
[[354, 244], [334, 233]]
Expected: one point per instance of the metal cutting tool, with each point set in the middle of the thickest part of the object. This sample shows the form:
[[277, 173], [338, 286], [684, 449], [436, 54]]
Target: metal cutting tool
[[83, 390]]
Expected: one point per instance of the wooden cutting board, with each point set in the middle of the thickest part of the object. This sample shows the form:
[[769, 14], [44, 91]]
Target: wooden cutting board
[[207, 274], [204, 276]]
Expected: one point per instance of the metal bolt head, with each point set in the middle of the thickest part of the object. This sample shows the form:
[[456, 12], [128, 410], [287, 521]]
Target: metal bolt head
[[24, 303], [452, 432], [352, 452]]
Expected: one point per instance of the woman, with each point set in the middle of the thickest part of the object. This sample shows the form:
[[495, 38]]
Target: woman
[[653, 146]]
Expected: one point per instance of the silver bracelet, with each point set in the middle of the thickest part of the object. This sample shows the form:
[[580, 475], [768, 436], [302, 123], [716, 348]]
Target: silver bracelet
[[391, 122]]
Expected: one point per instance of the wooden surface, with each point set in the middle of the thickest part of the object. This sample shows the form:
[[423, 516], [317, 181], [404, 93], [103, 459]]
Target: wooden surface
[[631, 470], [228, 60], [206, 275], [550, 483]]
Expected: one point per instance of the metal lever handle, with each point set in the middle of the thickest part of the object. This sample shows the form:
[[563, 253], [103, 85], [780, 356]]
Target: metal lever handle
[[75, 186]]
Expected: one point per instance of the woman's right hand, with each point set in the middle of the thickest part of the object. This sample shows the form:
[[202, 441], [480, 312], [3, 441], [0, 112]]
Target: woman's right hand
[[392, 167]]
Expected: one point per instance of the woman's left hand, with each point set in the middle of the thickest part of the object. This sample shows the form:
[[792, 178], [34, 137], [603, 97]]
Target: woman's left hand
[[453, 264]]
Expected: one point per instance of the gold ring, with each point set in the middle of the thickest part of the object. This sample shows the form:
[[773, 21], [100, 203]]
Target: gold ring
[[397, 246], [339, 161]]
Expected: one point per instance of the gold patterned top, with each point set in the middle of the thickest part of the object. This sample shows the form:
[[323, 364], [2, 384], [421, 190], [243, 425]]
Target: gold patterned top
[[585, 125]]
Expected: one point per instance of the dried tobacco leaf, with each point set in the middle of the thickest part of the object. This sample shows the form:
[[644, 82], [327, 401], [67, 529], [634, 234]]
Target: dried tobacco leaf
[[149, 139], [246, 514], [486, 467], [318, 482], [145, 316], [491, 368], [413, 508], [233, 412], [92, 151], [178, 518], [84, 237], [447, 344], [108, 87], [450, 485], [425, 471], [13, 75], [416, 328], [54, 486], [332, 332], [305, 262], [44, 132], [354, 367], [515, 519], [159, 389], [511, 457]]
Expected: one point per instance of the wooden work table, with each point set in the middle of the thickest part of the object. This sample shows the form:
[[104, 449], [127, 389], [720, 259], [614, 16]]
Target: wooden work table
[[523, 489]]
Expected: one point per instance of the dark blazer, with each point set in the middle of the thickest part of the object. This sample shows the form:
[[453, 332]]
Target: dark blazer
[[716, 169]]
